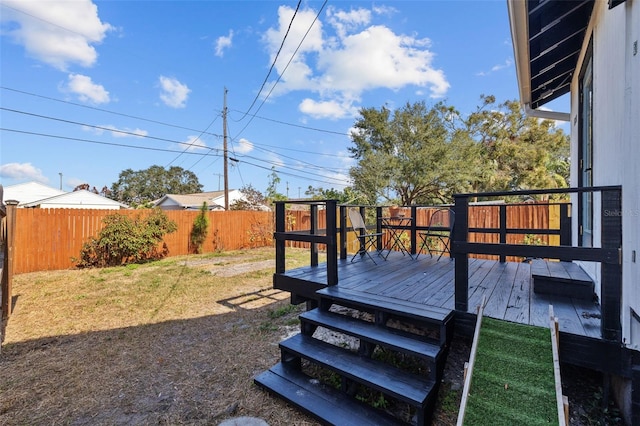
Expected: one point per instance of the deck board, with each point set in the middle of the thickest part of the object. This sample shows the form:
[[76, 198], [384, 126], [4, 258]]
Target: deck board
[[507, 286]]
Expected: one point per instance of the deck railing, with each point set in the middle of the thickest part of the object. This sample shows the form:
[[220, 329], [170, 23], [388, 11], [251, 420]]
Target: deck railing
[[608, 254], [315, 235]]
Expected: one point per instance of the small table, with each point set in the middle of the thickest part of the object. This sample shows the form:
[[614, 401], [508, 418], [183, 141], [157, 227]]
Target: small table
[[396, 226]]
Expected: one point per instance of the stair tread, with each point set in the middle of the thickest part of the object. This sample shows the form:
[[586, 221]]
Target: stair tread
[[392, 381], [372, 333], [395, 306], [320, 401]]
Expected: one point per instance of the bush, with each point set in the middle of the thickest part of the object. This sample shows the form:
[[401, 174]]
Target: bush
[[200, 228], [125, 240]]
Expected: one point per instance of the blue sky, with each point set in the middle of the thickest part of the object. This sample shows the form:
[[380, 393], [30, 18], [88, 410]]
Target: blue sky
[[93, 88]]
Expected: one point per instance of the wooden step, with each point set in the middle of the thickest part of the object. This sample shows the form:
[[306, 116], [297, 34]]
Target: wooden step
[[326, 404], [383, 306], [382, 377], [372, 333], [561, 279]]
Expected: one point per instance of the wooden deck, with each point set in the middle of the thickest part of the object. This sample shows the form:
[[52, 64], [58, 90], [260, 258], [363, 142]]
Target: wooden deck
[[507, 286]]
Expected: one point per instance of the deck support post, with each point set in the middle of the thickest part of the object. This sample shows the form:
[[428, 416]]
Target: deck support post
[[611, 287], [460, 235]]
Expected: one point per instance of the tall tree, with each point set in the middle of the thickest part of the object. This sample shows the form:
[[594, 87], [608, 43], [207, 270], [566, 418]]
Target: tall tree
[[141, 187], [521, 152], [413, 155]]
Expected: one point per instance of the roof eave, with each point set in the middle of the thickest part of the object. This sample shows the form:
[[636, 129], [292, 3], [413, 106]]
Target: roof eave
[[518, 21]]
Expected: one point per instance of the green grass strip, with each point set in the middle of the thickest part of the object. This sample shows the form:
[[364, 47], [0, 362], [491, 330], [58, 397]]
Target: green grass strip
[[513, 381]]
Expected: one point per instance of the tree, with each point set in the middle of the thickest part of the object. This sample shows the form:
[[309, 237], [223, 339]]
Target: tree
[[347, 196], [414, 155], [253, 199], [521, 152], [141, 187], [272, 187], [200, 228]]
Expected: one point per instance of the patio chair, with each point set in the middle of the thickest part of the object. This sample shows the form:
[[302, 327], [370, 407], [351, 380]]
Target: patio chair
[[367, 240], [437, 237]]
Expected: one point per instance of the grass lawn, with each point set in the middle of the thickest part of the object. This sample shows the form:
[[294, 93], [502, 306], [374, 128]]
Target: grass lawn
[[513, 381], [176, 341]]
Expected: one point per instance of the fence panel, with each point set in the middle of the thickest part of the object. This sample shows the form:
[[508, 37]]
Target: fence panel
[[49, 239]]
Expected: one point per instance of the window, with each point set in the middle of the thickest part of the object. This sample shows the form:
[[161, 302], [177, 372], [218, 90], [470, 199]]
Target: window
[[585, 151]]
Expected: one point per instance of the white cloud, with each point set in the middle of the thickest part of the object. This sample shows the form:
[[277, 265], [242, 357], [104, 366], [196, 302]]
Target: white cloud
[[223, 42], [506, 64], [116, 132], [193, 143], [87, 90], [24, 171], [344, 21], [174, 93], [244, 146], [357, 56], [56, 32], [327, 109]]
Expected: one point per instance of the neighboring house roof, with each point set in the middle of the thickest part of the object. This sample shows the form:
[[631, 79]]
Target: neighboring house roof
[[29, 192], [82, 199], [214, 200], [547, 38]]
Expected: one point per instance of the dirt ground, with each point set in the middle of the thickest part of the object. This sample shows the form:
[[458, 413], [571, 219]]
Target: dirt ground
[[187, 370]]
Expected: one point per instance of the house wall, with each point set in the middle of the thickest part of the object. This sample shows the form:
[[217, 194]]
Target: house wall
[[616, 137]]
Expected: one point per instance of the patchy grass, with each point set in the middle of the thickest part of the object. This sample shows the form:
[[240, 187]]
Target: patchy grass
[[168, 342]]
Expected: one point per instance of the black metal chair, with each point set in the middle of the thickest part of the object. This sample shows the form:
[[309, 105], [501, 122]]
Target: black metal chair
[[437, 237], [367, 240]]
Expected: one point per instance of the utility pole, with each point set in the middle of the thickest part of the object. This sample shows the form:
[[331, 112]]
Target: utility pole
[[224, 139], [219, 176]]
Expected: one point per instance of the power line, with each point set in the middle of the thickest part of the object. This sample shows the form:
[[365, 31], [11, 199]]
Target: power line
[[148, 148], [163, 123], [285, 68], [272, 63], [99, 127], [193, 142], [315, 129]]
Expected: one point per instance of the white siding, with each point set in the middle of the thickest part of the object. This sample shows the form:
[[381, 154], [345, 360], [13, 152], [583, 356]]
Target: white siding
[[616, 137]]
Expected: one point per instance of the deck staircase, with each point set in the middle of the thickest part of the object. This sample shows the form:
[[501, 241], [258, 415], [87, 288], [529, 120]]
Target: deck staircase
[[332, 383]]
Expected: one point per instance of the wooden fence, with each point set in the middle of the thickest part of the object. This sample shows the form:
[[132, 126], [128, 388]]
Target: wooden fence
[[49, 239]]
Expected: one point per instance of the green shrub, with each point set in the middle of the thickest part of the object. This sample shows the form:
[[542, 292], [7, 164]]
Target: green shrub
[[125, 240], [200, 228]]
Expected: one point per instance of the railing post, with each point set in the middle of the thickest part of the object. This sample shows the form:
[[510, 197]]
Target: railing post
[[379, 228], [280, 244], [414, 219], [503, 229], [332, 245], [565, 227], [343, 232], [611, 289], [461, 234], [313, 229]]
